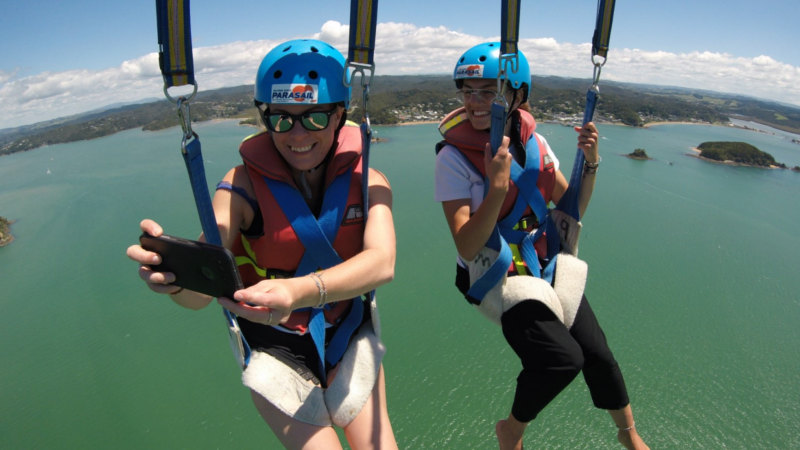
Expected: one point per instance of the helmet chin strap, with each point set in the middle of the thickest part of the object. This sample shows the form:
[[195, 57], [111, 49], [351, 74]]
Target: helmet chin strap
[[307, 193]]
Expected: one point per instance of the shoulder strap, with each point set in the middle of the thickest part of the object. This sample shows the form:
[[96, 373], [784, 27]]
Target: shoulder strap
[[317, 236], [504, 232]]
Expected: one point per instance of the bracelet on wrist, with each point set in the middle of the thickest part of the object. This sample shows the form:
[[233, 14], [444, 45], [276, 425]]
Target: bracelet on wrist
[[591, 168], [594, 164], [316, 277]]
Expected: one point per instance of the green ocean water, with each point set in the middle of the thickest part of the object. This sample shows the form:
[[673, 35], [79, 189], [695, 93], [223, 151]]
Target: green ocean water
[[693, 275]]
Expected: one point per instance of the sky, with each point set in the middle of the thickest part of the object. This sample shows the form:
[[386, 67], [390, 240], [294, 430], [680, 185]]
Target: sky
[[59, 58]]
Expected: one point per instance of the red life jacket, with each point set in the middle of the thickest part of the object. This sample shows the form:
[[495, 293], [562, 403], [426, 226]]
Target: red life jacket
[[458, 131], [279, 250]]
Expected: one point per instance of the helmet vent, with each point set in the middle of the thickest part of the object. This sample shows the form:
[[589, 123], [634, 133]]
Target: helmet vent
[[315, 49], [277, 74], [482, 59], [313, 74]]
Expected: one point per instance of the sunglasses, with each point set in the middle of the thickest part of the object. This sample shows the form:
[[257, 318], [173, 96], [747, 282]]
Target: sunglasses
[[311, 120]]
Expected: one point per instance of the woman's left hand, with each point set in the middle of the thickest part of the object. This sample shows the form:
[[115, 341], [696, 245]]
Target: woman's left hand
[[587, 141]]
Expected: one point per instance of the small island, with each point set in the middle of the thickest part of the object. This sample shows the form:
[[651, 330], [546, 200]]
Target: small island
[[639, 154], [5, 231], [737, 154]]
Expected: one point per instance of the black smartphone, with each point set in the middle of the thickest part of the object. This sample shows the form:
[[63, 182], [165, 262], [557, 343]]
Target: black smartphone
[[198, 266]]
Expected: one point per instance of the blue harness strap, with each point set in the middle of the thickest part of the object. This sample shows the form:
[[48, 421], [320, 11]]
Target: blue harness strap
[[193, 158], [499, 115], [602, 32], [504, 232], [361, 58], [317, 235], [177, 69]]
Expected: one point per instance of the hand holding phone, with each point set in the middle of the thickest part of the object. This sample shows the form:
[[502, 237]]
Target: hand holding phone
[[198, 266]]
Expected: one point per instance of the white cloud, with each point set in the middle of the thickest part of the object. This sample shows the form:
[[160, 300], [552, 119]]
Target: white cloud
[[401, 49]]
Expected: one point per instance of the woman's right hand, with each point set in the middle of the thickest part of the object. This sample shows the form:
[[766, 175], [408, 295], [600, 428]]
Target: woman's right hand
[[159, 282], [498, 168]]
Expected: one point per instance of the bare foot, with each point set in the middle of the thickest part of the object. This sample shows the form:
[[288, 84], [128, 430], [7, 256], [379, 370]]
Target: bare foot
[[630, 439], [507, 439]]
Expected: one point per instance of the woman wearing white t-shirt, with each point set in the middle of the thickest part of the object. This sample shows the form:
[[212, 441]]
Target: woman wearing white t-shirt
[[479, 193]]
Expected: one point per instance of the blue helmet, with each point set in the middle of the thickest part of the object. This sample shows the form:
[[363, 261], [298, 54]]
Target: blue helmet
[[483, 62], [302, 71]]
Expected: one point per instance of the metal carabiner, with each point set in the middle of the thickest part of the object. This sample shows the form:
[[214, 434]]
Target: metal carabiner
[[365, 101], [505, 61], [358, 68], [598, 62], [176, 100], [185, 117]]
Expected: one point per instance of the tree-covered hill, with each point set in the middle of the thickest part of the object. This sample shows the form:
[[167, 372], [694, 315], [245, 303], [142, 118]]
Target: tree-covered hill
[[737, 152]]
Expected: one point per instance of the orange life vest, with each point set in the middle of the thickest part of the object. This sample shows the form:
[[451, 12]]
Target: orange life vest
[[458, 131], [279, 251]]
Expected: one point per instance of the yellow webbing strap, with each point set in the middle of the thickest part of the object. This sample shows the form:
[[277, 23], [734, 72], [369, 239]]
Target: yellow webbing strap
[[175, 42], [363, 21]]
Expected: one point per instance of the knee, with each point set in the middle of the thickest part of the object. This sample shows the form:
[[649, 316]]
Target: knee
[[541, 340], [566, 358]]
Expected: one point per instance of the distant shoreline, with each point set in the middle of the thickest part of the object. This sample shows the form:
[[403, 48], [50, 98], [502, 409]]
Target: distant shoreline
[[412, 122], [726, 125], [655, 124]]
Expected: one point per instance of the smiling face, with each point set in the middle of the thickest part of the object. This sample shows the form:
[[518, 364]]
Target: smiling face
[[479, 107], [303, 149]]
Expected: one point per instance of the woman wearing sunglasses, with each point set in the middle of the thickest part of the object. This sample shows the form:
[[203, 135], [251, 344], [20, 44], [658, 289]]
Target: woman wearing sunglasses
[[480, 193], [293, 216]]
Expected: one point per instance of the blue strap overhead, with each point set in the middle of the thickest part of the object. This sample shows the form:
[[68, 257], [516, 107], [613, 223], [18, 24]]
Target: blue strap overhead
[[509, 27], [498, 124], [509, 62], [569, 201], [317, 235], [193, 158], [602, 27], [360, 57], [177, 69], [175, 42], [363, 19], [601, 36]]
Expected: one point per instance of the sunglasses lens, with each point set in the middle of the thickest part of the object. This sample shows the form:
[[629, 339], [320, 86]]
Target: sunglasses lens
[[315, 121], [311, 121], [280, 123]]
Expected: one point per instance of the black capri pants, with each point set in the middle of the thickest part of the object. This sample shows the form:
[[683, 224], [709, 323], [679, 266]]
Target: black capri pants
[[552, 356]]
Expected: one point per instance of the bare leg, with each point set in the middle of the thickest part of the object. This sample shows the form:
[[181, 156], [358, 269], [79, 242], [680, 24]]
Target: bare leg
[[371, 428], [627, 434], [294, 434], [509, 433]]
